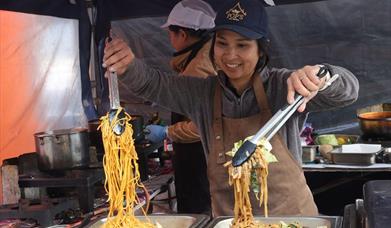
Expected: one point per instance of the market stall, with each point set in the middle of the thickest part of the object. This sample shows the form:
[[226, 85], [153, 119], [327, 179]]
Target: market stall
[[318, 27]]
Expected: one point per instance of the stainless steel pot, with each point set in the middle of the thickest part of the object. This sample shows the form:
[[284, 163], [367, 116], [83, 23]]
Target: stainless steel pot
[[96, 138], [62, 149], [376, 124]]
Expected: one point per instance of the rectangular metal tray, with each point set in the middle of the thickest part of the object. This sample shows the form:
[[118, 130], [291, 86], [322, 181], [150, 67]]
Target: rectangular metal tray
[[168, 221], [353, 158], [308, 222]]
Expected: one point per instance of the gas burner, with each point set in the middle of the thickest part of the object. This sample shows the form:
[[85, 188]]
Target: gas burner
[[43, 211], [82, 180]]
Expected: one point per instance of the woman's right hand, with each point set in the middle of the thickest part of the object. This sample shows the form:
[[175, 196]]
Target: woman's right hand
[[304, 82], [117, 56]]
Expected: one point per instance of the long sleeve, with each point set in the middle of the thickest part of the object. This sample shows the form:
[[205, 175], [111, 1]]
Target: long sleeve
[[189, 96], [183, 132], [183, 95], [200, 66], [342, 92]]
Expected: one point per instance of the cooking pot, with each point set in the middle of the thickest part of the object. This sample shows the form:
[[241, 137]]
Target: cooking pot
[[376, 124], [96, 138], [62, 149]]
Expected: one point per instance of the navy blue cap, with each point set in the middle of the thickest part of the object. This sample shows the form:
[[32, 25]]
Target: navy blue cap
[[246, 17]]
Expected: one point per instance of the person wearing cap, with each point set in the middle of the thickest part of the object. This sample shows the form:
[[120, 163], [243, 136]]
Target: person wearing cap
[[188, 27], [236, 103]]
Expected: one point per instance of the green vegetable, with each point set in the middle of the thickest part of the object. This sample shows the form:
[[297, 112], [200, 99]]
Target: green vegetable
[[254, 183], [327, 139], [290, 225], [266, 148]]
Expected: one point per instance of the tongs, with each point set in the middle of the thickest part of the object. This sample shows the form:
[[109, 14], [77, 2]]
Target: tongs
[[119, 126], [247, 149], [119, 118]]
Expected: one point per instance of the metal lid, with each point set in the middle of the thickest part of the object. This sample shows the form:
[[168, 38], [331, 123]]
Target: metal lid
[[58, 132]]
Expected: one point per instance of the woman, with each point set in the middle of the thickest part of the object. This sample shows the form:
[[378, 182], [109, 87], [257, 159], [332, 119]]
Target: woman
[[188, 27], [237, 102]]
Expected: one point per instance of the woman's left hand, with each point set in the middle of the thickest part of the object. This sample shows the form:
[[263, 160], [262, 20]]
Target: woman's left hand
[[305, 82]]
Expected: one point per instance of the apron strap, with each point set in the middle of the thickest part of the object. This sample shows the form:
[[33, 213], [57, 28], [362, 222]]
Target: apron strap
[[261, 97], [218, 126]]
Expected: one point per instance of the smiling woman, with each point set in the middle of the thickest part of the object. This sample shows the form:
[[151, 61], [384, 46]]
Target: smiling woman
[[237, 56], [239, 101]]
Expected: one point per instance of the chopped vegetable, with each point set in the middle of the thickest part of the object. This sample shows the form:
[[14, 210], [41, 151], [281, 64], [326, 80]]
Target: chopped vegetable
[[266, 148]]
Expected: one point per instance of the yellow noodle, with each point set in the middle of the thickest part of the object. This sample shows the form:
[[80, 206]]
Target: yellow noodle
[[240, 178], [122, 175]]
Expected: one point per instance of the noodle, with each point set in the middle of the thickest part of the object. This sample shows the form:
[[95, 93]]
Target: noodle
[[240, 178], [122, 175]]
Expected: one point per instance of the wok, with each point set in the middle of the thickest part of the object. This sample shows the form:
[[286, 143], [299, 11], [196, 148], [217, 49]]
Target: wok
[[376, 124]]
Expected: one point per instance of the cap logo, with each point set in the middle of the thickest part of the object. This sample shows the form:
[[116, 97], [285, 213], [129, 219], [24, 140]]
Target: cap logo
[[236, 13]]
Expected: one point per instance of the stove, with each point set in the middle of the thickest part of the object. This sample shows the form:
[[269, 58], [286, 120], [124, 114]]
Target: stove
[[83, 180], [43, 211], [66, 190], [45, 195]]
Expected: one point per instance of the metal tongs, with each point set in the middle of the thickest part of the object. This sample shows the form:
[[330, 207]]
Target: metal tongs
[[119, 127], [271, 127]]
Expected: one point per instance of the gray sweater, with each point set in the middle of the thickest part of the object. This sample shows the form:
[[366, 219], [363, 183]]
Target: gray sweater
[[193, 97]]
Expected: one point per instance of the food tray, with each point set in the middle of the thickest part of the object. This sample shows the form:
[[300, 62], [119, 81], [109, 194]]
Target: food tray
[[310, 222], [359, 158], [168, 221]]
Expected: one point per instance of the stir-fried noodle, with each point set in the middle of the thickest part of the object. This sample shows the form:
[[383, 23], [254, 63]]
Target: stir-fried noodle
[[254, 170], [122, 174]]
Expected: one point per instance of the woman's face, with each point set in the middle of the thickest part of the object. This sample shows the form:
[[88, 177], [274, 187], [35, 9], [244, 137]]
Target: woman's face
[[177, 40], [236, 55]]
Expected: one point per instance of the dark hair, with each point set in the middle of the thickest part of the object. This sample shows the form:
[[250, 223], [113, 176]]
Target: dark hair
[[200, 33], [263, 46]]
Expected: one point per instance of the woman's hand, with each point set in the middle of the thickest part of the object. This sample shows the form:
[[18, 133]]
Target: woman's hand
[[305, 82], [117, 56]]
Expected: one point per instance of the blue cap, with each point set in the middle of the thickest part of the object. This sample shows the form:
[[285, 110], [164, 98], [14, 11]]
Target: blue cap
[[246, 17]]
